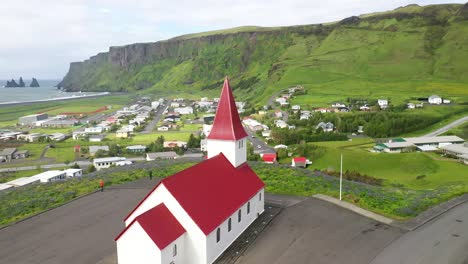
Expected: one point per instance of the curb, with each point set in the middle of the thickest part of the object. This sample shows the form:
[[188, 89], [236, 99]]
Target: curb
[[47, 210], [355, 209]]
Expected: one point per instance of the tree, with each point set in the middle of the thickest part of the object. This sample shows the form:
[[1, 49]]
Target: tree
[[75, 166], [193, 142], [90, 169]]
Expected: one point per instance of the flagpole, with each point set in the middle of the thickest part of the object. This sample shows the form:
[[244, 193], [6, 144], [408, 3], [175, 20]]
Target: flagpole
[[341, 174]]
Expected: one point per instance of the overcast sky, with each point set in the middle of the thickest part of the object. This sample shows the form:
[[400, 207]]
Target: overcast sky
[[41, 37]]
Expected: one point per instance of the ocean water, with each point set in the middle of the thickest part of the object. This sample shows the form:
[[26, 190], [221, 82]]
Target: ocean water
[[47, 91]]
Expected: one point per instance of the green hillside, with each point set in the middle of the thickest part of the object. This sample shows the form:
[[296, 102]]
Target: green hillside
[[412, 51]]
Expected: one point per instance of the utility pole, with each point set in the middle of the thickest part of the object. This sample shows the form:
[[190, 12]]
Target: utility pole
[[341, 175]]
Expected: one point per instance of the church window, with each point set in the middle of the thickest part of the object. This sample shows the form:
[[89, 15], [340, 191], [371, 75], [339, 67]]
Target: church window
[[239, 215], [174, 250], [248, 208], [218, 235], [260, 196], [229, 225]]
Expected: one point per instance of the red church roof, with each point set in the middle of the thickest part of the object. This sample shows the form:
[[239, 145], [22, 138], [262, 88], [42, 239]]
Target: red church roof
[[227, 124], [160, 225], [212, 190]]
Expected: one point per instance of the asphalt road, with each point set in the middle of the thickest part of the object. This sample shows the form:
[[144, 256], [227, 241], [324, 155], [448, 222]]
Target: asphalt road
[[314, 231], [444, 240], [448, 127], [256, 142], [150, 126]]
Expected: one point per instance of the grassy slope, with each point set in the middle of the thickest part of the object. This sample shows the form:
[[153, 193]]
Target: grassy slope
[[412, 51], [394, 168]]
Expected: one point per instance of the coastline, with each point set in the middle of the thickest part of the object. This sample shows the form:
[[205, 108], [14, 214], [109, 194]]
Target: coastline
[[65, 98]]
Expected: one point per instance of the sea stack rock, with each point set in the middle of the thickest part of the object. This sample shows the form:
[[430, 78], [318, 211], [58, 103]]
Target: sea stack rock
[[34, 83]]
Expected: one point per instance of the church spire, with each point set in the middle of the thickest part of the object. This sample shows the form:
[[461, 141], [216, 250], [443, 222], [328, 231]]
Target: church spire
[[227, 124]]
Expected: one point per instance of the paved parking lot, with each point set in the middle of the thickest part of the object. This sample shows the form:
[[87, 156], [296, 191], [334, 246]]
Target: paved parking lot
[[83, 232], [314, 231]]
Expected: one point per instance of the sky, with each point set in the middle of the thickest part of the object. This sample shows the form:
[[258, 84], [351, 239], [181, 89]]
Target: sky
[[41, 37]]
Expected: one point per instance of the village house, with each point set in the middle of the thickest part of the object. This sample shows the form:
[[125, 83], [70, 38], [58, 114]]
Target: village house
[[434, 99], [326, 127], [295, 108], [281, 124], [268, 158], [175, 143], [338, 104], [383, 103], [50, 176], [299, 162], [136, 149], [278, 114], [175, 104], [93, 130], [155, 105], [184, 110], [95, 138], [72, 173], [163, 128], [161, 155], [364, 108], [33, 137], [122, 133], [171, 224], [104, 163], [23, 181], [323, 110], [57, 136], [266, 133], [32, 119], [203, 145]]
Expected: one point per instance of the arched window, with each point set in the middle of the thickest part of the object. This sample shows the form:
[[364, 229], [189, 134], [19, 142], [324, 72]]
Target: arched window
[[239, 215], [218, 235], [174, 250], [260, 196], [248, 208], [229, 225]]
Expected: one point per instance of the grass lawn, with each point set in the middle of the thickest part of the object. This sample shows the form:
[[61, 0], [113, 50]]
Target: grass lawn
[[461, 131], [395, 169], [145, 139], [61, 154]]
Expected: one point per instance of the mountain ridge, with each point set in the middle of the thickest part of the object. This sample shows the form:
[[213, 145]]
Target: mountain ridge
[[261, 59]]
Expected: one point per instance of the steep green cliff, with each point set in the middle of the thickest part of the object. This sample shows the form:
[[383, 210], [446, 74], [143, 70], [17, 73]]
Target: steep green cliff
[[423, 49]]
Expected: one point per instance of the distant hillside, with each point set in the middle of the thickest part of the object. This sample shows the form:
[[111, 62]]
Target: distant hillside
[[415, 49]]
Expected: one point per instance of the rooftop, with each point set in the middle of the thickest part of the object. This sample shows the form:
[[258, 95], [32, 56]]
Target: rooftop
[[457, 148], [111, 159], [22, 181], [48, 174], [227, 124], [160, 225], [214, 186], [429, 140]]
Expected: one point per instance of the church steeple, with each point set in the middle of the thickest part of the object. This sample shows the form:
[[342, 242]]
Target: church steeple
[[227, 124], [228, 134]]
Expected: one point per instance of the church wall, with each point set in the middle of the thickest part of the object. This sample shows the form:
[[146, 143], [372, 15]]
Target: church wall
[[214, 248], [135, 246], [236, 153], [167, 254], [195, 242]]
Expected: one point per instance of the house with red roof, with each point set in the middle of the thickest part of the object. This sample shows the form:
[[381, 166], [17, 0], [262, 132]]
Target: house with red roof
[[269, 158], [194, 215], [299, 162]]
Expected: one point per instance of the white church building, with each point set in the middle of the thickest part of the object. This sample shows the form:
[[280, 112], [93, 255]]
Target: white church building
[[194, 215]]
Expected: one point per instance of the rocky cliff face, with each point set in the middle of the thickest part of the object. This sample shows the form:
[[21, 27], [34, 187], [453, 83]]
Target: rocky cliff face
[[259, 58]]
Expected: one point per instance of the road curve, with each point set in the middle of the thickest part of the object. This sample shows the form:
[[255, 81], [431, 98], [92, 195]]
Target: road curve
[[443, 240], [447, 127]]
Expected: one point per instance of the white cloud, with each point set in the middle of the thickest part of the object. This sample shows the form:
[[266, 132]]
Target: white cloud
[[41, 37]]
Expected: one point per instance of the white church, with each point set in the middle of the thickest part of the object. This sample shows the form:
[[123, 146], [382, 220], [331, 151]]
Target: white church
[[194, 215]]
